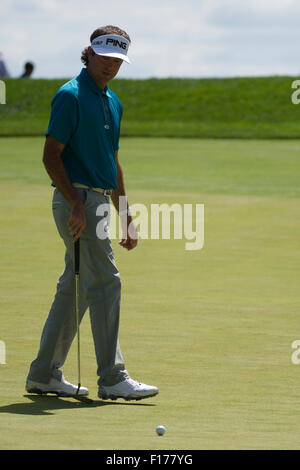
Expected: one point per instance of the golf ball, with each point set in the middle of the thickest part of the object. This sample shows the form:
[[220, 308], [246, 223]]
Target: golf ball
[[160, 430]]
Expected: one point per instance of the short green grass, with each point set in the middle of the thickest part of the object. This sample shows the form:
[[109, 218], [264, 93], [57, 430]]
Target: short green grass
[[212, 328]]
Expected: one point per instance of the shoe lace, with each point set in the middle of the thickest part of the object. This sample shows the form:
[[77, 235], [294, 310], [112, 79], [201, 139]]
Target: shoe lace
[[131, 381]]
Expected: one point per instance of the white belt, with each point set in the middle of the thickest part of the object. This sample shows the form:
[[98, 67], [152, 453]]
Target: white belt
[[106, 192]]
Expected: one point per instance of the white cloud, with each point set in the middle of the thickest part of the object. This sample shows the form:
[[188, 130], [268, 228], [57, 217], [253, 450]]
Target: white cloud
[[169, 37]]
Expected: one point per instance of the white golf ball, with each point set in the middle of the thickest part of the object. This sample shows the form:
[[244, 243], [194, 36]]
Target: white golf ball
[[160, 430]]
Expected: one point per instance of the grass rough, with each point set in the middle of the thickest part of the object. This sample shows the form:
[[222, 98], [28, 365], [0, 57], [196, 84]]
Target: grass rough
[[248, 107]]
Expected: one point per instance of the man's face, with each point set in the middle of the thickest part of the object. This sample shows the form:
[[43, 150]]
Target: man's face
[[102, 67]]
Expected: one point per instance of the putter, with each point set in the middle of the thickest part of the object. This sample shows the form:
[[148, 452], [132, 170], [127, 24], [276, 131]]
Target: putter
[[77, 268]]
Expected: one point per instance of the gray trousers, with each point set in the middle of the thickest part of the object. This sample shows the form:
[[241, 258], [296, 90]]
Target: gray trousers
[[100, 289]]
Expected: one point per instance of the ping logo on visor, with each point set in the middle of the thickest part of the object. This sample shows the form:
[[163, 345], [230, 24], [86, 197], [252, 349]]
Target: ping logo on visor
[[111, 45], [116, 43]]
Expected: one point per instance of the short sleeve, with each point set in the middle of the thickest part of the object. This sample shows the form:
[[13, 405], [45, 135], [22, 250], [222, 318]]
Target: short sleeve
[[64, 116]]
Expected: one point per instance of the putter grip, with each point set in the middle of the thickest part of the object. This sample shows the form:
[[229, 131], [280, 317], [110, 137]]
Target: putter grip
[[77, 256]]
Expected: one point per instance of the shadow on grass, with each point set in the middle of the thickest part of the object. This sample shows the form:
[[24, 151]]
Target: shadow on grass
[[46, 405]]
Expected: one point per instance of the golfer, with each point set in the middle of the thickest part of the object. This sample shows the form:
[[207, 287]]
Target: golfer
[[81, 158]]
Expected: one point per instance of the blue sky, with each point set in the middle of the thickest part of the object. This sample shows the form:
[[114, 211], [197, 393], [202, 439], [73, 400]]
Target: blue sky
[[170, 38]]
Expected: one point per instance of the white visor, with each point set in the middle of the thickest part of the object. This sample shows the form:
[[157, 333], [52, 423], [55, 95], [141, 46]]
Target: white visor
[[111, 45]]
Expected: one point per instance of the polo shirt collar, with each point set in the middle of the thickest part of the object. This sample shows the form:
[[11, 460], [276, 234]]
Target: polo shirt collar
[[84, 75]]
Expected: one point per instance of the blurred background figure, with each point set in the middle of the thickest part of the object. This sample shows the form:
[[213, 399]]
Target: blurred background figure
[[3, 69], [28, 69]]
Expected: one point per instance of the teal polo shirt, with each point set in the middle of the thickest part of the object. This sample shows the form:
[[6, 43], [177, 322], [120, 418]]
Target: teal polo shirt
[[87, 121]]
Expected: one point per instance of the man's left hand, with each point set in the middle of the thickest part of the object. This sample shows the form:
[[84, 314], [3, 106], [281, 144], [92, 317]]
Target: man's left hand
[[130, 237]]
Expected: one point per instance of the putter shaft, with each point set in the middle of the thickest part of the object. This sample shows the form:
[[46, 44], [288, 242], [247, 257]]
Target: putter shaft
[[77, 267]]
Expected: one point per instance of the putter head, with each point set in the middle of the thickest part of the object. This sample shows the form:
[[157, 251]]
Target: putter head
[[82, 398]]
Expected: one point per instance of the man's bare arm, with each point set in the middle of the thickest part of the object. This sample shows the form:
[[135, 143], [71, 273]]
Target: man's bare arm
[[55, 168], [127, 241]]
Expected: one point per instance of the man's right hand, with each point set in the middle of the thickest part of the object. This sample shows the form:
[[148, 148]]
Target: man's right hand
[[77, 221], [57, 172]]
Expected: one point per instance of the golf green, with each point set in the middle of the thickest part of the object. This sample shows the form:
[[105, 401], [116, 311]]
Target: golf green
[[212, 328]]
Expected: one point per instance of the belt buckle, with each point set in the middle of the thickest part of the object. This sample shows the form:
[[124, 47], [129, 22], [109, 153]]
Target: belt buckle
[[107, 192]]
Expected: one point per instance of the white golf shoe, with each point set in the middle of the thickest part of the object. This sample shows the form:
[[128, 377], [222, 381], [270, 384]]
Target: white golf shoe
[[128, 389], [61, 388]]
